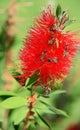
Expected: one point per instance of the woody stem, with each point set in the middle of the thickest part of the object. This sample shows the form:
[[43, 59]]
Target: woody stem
[[30, 113], [28, 116]]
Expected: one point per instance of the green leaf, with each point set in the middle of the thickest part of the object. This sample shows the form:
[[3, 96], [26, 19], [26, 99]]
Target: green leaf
[[57, 92], [23, 92], [43, 119], [45, 110], [7, 93], [54, 94], [55, 110], [31, 126], [58, 84], [39, 90], [31, 81], [58, 11], [13, 102], [18, 115], [11, 127], [14, 73]]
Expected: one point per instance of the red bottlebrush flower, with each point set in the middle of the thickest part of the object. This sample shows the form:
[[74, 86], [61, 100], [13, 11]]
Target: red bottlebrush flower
[[48, 51], [74, 127]]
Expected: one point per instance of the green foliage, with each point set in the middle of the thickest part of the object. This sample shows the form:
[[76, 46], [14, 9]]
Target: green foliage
[[13, 102], [32, 127], [42, 119], [54, 110], [58, 84], [23, 92], [18, 115], [40, 91], [31, 81], [6, 93], [58, 11], [56, 93]]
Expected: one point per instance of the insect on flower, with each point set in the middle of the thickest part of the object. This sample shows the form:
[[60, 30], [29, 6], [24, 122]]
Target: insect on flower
[[43, 55], [66, 51]]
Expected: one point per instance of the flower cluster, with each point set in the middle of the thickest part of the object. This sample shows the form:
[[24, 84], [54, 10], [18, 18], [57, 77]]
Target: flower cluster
[[48, 51]]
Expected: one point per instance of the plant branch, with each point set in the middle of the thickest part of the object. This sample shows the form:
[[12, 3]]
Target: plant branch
[[32, 101]]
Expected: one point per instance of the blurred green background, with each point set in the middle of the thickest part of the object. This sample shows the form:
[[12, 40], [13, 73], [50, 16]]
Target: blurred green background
[[26, 11]]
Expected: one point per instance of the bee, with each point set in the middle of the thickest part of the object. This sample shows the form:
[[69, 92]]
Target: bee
[[53, 28], [55, 60], [43, 55], [51, 41], [49, 60], [66, 51]]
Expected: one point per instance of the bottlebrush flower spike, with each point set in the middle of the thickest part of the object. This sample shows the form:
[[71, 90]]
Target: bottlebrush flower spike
[[48, 51]]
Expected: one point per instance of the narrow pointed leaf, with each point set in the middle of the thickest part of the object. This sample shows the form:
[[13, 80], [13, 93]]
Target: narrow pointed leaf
[[30, 81], [57, 92], [58, 10], [55, 110], [43, 120]]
